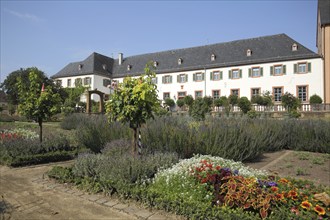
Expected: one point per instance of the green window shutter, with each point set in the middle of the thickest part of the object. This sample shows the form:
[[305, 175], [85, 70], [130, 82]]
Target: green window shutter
[[250, 72], [261, 71], [211, 75], [309, 66], [284, 69], [295, 68], [220, 74], [156, 80], [240, 73], [170, 79], [186, 77], [229, 74], [194, 77], [163, 79], [178, 78], [203, 76], [271, 70]]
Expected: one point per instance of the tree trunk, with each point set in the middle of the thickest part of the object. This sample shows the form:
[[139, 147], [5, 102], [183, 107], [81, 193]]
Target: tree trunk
[[135, 138], [40, 129]]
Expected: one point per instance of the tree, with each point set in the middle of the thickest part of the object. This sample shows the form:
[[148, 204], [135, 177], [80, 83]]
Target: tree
[[199, 108], [10, 83], [33, 102], [315, 99], [292, 104], [134, 102], [169, 103], [180, 103], [188, 100], [244, 104]]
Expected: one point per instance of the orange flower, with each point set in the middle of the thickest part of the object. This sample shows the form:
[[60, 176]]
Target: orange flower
[[280, 196], [306, 205], [319, 210], [283, 180], [274, 188], [293, 193]]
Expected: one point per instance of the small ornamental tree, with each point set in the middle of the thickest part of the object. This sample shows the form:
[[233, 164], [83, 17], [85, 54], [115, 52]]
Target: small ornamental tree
[[134, 102], [180, 103], [244, 104], [292, 104], [188, 100], [315, 99], [169, 103], [37, 104]]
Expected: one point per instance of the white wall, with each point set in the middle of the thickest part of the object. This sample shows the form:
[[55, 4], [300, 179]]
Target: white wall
[[290, 81], [97, 83]]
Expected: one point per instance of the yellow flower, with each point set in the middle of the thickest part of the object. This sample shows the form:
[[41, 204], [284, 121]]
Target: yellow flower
[[319, 210], [306, 205]]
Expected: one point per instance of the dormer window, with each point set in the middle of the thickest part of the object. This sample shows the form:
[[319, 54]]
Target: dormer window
[[129, 67], [80, 66], [104, 66], [155, 63], [213, 57], [180, 61], [248, 52], [294, 47]]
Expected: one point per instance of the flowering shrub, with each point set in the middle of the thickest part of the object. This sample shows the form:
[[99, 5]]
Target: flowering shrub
[[18, 133], [225, 183]]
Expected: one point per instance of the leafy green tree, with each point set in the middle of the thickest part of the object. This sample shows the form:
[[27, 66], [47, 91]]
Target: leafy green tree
[[244, 104], [10, 84], [188, 100], [233, 99], [170, 103], [34, 103], [180, 103], [199, 108], [134, 102], [292, 104], [315, 99]]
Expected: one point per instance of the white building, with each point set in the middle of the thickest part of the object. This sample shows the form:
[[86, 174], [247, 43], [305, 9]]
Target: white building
[[276, 63]]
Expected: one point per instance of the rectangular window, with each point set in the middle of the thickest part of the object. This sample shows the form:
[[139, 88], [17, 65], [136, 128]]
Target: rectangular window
[[255, 72], [198, 76], [216, 75], [278, 70], [106, 82], [277, 93], [181, 95], [167, 79], [234, 92], [77, 82], [69, 83], [302, 68], [182, 78], [87, 80], [302, 93], [215, 94], [166, 95], [154, 80], [198, 94], [235, 74], [255, 92], [58, 82]]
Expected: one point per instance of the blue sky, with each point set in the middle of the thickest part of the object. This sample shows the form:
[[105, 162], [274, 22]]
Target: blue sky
[[51, 34]]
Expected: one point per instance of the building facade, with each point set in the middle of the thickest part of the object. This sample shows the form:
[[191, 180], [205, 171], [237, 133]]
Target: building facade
[[323, 42], [275, 64]]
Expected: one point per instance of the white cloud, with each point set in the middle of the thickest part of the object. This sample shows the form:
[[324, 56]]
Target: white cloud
[[24, 16]]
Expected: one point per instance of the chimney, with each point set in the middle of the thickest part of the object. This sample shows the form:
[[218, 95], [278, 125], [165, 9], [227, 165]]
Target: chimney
[[120, 58]]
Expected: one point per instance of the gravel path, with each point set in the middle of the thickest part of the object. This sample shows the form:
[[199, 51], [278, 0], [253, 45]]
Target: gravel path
[[27, 194]]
